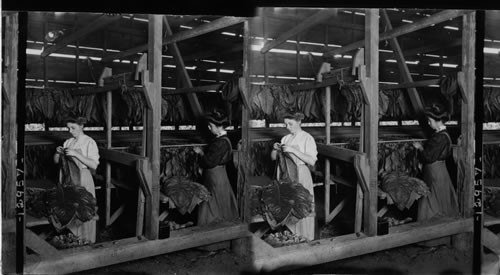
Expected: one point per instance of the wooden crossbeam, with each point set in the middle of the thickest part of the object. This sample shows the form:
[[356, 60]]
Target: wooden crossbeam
[[432, 48], [180, 36], [304, 25], [336, 211], [310, 85], [211, 53], [331, 23], [194, 89], [40, 246], [339, 153], [420, 24], [119, 157], [117, 214], [100, 22], [422, 83], [491, 241], [415, 100], [362, 171]]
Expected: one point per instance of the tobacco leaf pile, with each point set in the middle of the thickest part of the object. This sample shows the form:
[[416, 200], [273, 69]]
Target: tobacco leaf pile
[[403, 189], [491, 161], [183, 194], [65, 203]]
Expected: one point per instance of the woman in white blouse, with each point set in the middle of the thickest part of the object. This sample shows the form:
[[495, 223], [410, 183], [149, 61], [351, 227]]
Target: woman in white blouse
[[302, 147], [84, 152]]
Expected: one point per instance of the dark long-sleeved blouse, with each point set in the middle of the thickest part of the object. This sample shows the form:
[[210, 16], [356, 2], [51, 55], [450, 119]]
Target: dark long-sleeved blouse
[[438, 147], [218, 152]]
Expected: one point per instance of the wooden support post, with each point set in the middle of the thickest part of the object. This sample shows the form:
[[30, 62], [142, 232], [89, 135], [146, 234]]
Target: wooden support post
[[109, 144], [9, 147], [186, 80], [405, 72], [465, 176], [242, 246], [154, 124], [326, 68], [370, 118], [139, 226]]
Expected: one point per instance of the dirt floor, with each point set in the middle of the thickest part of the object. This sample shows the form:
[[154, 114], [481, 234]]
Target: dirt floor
[[410, 259]]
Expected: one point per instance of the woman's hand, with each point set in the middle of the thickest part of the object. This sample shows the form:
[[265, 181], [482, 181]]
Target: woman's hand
[[418, 146], [72, 152], [277, 146], [197, 150], [60, 150]]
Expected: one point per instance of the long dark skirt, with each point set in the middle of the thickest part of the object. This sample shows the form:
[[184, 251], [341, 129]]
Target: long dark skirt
[[442, 200], [222, 205]]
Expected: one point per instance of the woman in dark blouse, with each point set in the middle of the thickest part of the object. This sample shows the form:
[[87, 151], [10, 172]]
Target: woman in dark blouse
[[442, 200], [222, 204]]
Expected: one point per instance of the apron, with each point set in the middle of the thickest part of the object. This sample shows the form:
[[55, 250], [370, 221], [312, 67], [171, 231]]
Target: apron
[[442, 200], [222, 205]]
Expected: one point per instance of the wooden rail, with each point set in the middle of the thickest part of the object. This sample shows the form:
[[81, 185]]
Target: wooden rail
[[120, 157], [104, 254], [337, 152]]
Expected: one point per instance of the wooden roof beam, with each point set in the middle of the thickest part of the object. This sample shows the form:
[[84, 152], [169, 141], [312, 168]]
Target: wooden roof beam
[[415, 99], [426, 22], [433, 47], [330, 23], [211, 53], [100, 22], [304, 25], [186, 80], [180, 36]]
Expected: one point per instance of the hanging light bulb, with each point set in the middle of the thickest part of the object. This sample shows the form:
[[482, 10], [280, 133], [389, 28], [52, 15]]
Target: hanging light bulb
[[51, 36]]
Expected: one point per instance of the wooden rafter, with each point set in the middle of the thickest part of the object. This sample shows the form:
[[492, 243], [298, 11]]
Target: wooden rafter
[[304, 25], [211, 53], [432, 48], [423, 23], [180, 36], [331, 23], [415, 99], [100, 22], [186, 80], [194, 89]]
